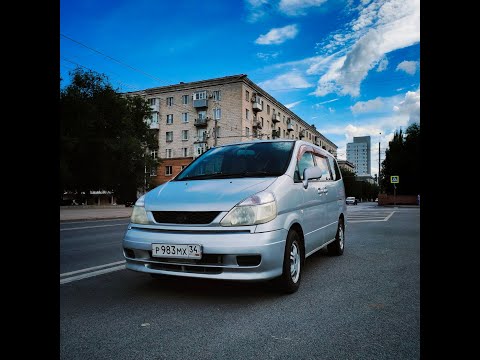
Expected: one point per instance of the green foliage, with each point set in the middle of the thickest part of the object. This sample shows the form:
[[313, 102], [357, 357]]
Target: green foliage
[[402, 158], [103, 137], [359, 189]]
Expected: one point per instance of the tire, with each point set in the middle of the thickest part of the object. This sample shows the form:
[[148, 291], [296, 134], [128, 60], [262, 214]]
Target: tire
[[336, 247], [293, 261]]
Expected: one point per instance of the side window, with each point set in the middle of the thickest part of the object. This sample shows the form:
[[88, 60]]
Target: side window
[[335, 170], [305, 161], [322, 163]]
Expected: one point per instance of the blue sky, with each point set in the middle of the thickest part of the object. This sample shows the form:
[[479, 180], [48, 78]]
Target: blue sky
[[350, 67]]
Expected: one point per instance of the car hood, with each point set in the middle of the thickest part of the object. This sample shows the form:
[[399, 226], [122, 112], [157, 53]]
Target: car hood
[[203, 195]]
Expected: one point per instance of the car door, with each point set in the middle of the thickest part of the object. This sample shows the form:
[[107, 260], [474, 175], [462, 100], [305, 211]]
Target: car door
[[313, 205], [328, 186]]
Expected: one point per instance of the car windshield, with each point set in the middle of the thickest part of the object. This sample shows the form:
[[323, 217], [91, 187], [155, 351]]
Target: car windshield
[[258, 159]]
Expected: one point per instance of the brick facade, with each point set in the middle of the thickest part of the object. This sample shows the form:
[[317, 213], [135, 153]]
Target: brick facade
[[180, 140]]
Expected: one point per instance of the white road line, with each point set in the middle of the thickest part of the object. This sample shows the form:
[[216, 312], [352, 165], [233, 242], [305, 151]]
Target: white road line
[[385, 219], [66, 222], [91, 227], [91, 274], [92, 268]]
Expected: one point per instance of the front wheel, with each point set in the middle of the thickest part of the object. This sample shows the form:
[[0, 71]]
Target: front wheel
[[293, 261], [336, 247]]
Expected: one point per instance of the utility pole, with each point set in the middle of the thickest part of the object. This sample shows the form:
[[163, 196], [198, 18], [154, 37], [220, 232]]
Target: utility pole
[[378, 180]]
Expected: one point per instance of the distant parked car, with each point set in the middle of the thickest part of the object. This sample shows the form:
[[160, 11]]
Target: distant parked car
[[351, 200]]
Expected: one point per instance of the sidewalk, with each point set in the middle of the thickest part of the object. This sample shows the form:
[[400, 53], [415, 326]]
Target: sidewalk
[[70, 213]]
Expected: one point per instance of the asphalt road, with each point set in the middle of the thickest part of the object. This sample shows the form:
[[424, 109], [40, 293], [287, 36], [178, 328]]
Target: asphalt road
[[362, 305]]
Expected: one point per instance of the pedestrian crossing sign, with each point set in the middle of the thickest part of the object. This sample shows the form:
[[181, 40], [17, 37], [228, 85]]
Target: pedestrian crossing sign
[[394, 179]]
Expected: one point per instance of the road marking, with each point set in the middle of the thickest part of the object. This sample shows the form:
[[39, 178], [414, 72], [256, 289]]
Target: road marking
[[66, 222], [91, 274], [91, 268], [91, 227], [372, 220]]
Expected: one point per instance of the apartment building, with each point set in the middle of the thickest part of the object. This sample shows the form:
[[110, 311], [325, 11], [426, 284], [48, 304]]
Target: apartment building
[[193, 117], [358, 153]]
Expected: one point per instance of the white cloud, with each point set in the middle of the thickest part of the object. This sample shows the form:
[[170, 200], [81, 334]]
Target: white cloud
[[367, 106], [381, 27], [257, 9], [410, 106], [288, 81], [382, 65], [327, 101], [410, 67], [298, 7], [268, 56], [292, 105], [278, 35], [331, 110]]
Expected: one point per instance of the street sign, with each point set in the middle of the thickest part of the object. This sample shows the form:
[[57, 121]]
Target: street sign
[[394, 179]]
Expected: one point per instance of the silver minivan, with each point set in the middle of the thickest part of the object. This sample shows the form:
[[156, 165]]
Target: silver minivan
[[247, 211]]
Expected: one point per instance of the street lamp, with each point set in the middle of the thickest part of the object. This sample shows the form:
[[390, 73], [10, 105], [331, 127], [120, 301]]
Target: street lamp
[[378, 178]]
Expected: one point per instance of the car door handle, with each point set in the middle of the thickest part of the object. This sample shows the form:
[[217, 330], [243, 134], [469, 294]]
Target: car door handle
[[322, 191]]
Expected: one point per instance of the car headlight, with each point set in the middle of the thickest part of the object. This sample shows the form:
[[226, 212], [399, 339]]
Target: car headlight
[[139, 215], [256, 209]]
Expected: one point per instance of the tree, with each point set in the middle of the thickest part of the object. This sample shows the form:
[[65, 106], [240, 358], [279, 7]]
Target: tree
[[348, 181], [103, 137], [402, 158]]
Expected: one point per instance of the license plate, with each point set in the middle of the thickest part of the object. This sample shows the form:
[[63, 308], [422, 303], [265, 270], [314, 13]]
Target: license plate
[[177, 251]]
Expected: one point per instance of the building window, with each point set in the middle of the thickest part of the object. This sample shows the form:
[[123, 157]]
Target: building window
[[247, 131], [168, 153], [154, 153], [170, 101], [217, 95], [170, 119], [247, 95], [261, 119], [152, 101], [247, 112], [284, 133], [184, 134], [268, 109], [154, 118], [200, 95], [169, 136], [185, 117], [202, 114], [153, 171], [168, 170], [184, 99], [184, 152], [217, 114]]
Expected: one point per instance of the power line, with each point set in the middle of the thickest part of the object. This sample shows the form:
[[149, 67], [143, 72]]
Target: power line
[[111, 58]]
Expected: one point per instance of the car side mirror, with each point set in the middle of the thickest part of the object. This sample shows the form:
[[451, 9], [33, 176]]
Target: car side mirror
[[311, 173]]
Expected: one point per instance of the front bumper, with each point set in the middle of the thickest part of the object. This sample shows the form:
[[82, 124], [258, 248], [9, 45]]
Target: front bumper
[[229, 255]]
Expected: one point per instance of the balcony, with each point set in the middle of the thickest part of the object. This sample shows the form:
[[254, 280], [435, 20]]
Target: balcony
[[289, 127], [201, 122], [202, 103], [154, 125], [275, 118], [201, 139], [257, 124], [256, 105], [155, 107], [275, 134], [302, 134]]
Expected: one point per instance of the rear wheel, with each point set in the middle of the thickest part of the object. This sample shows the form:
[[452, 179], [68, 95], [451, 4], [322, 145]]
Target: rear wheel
[[293, 260], [336, 247]]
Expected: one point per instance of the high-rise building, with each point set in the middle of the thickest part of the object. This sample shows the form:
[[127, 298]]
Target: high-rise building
[[192, 117], [358, 153]]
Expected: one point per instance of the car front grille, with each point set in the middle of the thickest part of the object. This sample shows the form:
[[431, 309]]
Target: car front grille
[[184, 217]]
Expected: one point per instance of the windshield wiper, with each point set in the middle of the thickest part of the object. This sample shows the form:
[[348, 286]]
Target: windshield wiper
[[203, 176]]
